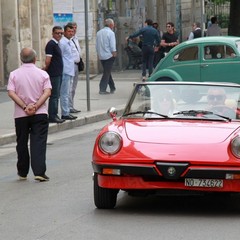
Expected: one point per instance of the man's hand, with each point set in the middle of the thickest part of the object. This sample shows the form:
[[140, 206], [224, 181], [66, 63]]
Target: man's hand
[[30, 109]]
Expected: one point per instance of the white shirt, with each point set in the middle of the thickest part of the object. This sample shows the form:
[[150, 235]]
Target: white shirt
[[76, 49], [105, 43]]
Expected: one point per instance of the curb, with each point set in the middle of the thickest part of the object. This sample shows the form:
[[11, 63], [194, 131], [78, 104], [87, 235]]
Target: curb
[[91, 117]]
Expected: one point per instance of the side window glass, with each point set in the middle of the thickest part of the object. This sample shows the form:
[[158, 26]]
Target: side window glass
[[187, 54], [214, 52], [238, 45], [230, 53]]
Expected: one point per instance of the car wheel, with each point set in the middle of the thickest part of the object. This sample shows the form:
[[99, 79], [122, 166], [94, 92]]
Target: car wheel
[[104, 198], [166, 79]]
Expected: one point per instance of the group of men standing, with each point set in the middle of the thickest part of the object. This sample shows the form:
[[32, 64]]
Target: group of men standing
[[153, 43], [63, 54]]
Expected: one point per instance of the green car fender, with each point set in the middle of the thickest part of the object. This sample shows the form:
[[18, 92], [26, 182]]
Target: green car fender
[[165, 75]]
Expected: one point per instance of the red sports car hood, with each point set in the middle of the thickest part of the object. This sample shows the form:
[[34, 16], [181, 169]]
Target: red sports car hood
[[172, 132]]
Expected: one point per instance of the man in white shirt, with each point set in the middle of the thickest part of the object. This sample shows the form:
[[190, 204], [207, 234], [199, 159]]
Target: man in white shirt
[[76, 55], [106, 50]]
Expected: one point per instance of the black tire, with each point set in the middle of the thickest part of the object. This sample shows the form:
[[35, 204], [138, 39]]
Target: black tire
[[165, 79], [104, 198]]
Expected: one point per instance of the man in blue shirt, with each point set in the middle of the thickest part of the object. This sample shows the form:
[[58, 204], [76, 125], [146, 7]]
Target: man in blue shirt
[[106, 50], [150, 40]]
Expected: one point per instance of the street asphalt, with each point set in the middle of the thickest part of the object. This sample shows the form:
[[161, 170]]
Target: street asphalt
[[93, 106]]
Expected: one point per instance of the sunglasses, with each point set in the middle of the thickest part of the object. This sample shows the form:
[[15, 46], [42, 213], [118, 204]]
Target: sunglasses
[[58, 33], [168, 26], [215, 97]]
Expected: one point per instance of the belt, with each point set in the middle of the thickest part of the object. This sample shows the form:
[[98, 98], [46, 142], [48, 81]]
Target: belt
[[147, 45]]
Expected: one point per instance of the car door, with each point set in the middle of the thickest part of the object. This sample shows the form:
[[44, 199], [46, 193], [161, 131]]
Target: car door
[[186, 63], [220, 63]]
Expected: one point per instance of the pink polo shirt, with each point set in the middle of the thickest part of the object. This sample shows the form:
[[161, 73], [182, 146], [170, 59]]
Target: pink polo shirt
[[29, 82]]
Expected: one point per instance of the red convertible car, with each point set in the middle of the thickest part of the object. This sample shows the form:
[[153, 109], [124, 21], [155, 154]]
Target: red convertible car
[[172, 136]]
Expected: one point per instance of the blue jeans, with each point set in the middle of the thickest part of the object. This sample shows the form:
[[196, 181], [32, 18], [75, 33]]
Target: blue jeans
[[107, 76], [64, 94], [147, 60], [54, 98]]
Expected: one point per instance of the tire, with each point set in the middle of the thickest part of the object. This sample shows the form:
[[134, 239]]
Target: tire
[[104, 198], [166, 79]]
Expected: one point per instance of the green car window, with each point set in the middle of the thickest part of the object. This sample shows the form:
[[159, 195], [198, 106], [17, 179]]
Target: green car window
[[187, 54]]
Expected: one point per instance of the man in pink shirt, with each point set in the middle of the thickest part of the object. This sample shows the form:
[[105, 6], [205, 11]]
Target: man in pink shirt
[[30, 87]]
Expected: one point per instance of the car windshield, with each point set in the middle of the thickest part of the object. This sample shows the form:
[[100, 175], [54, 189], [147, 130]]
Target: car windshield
[[182, 100]]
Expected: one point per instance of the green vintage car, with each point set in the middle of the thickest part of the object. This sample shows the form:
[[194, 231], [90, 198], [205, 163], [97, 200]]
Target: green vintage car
[[214, 59]]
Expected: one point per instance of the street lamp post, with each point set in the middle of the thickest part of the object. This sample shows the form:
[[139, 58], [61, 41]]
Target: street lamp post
[[87, 55]]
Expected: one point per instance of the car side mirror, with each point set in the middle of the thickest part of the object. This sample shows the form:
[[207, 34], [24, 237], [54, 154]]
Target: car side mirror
[[112, 112]]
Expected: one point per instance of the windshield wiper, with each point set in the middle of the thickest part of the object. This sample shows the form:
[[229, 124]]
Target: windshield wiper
[[144, 113], [194, 113]]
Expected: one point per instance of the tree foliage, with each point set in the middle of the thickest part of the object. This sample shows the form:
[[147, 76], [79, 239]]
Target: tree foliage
[[234, 18], [220, 1]]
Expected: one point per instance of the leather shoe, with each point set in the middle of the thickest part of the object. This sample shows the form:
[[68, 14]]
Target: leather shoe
[[69, 117], [56, 120], [112, 91], [103, 92], [73, 110]]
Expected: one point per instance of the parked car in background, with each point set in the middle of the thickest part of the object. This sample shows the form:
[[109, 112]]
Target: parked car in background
[[215, 59], [182, 137]]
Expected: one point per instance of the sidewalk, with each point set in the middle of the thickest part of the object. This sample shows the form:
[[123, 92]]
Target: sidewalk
[[99, 104]]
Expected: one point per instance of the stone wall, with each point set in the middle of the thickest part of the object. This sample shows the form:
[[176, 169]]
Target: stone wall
[[25, 23]]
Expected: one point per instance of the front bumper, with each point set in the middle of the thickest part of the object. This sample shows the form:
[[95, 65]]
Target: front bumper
[[162, 175]]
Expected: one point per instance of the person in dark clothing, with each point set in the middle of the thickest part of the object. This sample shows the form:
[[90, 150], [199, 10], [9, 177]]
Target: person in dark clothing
[[150, 39], [54, 67], [159, 53], [169, 38], [196, 31]]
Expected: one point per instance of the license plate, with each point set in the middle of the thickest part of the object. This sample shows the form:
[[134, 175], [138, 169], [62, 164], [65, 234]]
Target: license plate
[[208, 183]]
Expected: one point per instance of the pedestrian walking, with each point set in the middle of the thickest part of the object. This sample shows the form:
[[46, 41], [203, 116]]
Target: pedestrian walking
[[106, 50], [150, 40], [66, 46], [196, 31], [30, 87], [169, 38], [214, 29], [77, 57], [54, 67]]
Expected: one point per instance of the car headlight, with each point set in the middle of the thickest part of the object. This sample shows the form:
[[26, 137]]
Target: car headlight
[[110, 142], [235, 146]]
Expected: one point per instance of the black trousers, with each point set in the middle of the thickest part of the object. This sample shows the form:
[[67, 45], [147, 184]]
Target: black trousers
[[107, 76], [147, 60], [35, 127]]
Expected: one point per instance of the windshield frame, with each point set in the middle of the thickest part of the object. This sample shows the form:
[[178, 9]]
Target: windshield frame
[[138, 91]]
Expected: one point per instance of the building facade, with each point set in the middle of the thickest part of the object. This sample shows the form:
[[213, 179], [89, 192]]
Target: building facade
[[28, 23]]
